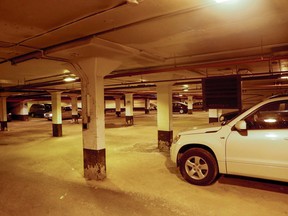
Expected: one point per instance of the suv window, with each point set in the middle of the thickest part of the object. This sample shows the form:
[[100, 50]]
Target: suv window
[[273, 115]]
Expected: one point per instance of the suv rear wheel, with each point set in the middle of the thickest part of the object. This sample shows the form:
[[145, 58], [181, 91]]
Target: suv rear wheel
[[198, 166]]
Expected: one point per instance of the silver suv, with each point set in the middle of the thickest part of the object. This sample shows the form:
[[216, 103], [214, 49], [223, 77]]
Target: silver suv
[[254, 144]]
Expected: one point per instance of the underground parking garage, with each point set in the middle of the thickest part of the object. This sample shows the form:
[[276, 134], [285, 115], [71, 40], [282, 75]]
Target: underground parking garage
[[44, 174], [119, 66]]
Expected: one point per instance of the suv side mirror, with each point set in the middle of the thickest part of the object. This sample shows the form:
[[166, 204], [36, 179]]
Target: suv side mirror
[[241, 125]]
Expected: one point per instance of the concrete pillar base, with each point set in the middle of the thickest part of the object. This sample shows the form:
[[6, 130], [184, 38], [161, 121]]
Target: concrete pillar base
[[190, 111], [129, 120], [4, 126], [118, 113], [213, 119], [57, 130], [94, 164], [84, 126], [165, 139]]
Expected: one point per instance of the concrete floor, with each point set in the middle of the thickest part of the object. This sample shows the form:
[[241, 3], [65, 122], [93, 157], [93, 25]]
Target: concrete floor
[[43, 175]]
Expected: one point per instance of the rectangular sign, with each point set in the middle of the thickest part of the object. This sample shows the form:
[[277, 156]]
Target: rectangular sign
[[222, 92]]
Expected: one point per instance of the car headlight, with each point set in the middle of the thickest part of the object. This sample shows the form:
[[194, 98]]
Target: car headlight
[[176, 138]]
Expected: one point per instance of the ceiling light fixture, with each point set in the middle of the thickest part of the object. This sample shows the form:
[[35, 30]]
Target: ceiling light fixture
[[69, 78], [221, 1], [133, 2], [284, 77]]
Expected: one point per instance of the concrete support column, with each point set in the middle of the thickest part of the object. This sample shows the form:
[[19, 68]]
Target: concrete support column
[[164, 116], [190, 104], [85, 105], [118, 106], [147, 105], [3, 113], [92, 74], [214, 115], [24, 112], [56, 114], [75, 115], [129, 108]]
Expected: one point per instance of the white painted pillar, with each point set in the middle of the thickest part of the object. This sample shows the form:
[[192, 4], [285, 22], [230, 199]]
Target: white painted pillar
[[190, 104], [92, 72], [214, 115], [3, 113], [56, 114], [24, 112], [74, 108], [147, 105], [129, 105], [118, 106], [164, 116]]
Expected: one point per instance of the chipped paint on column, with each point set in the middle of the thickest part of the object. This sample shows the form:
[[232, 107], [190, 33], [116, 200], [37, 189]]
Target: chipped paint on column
[[165, 139], [94, 164]]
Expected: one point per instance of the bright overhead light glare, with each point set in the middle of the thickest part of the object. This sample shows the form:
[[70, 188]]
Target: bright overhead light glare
[[133, 2], [270, 120], [221, 1], [284, 77], [69, 79], [66, 71]]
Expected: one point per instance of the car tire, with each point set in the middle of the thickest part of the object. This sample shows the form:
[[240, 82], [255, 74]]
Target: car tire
[[198, 166]]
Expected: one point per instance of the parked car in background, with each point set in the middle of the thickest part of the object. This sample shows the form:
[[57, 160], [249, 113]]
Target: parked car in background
[[38, 110], [198, 106], [180, 107], [254, 144], [66, 113]]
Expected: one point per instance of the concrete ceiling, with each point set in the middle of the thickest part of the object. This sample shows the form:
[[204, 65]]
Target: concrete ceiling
[[183, 41]]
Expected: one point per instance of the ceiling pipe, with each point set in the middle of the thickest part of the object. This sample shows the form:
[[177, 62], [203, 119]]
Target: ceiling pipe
[[262, 76], [118, 74], [28, 56]]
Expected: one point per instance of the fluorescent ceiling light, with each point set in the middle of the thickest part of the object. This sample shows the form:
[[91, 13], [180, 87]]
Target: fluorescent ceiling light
[[284, 77], [221, 1], [270, 120], [69, 79]]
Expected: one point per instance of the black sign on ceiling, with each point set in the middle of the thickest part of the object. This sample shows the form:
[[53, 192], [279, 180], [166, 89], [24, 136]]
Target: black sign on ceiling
[[222, 92]]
